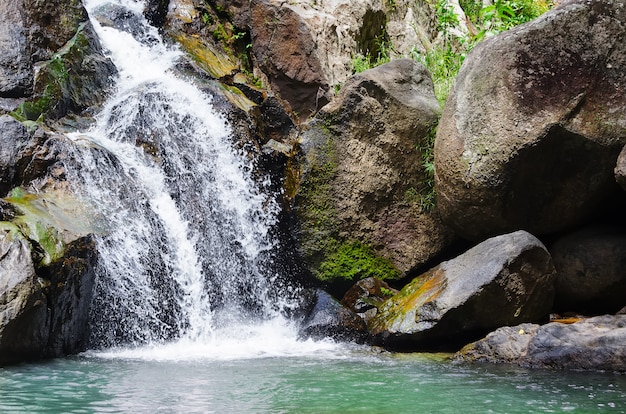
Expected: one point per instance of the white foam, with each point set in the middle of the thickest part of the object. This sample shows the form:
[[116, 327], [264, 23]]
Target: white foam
[[270, 339]]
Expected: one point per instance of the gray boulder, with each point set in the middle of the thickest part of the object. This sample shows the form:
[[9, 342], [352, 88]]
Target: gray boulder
[[16, 73], [503, 281], [537, 114], [591, 344], [24, 324], [590, 267]]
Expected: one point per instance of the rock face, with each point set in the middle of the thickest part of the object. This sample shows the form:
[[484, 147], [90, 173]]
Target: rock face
[[620, 169], [503, 281], [46, 277], [595, 343], [27, 155], [56, 38], [590, 267], [537, 114], [305, 48], [362, 161]]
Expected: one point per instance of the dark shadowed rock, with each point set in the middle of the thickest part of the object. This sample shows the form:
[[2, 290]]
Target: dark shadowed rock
[[504, 280], [590, 267], [14, 137], [156, 12], [24, 322], [620, 169], [47, 260], [535, 116], [594, 344], [327, 318], [363, 178]]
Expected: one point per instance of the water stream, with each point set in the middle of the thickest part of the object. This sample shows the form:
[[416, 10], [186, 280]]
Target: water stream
[[187, 249], [186, 316]]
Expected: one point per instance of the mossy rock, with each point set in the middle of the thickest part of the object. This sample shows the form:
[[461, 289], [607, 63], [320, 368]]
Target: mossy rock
[[74, 79], [50, 221]]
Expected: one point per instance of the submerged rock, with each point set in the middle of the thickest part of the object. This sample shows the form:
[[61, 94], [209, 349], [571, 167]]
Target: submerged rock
[[594, 344], [536, 114], [504, 280]]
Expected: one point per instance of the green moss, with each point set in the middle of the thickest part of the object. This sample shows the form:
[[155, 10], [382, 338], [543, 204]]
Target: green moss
[[354, 261], [316, 211], [49, 221], [53, 84]]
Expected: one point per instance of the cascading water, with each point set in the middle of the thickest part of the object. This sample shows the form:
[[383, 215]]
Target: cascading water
[[187, 231]]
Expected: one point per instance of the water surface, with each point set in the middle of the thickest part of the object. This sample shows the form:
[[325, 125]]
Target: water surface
[[328, 379]]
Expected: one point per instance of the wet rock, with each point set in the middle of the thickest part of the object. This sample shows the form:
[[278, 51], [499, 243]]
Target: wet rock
[[327, 318], [28, 155], [15, 61], [47, 260], [503, 281], [156, 12], [363, 185], [123, 19], [366, 296], [77, 78], [592, 344], [24, 323], [590, 267], [536, 115]]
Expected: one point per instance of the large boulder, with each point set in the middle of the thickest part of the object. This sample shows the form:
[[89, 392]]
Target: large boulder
[[531, 132], [592, 344], [590, 267], [363, 184], [31, 31], [505, 280], [77, 77], [24, 322], [47, 260]]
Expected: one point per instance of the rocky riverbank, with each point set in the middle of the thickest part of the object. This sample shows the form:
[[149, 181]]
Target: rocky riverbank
[[436, 226]]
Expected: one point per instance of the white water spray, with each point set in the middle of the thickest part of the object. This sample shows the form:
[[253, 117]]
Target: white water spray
[[187, 227]]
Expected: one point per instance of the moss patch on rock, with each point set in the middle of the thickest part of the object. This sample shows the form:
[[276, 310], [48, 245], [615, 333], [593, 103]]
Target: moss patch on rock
[[353, 260], [50, 221], [75, 78]]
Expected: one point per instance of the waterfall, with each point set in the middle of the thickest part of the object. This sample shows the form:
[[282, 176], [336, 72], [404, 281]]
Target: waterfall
[[186, 241]]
